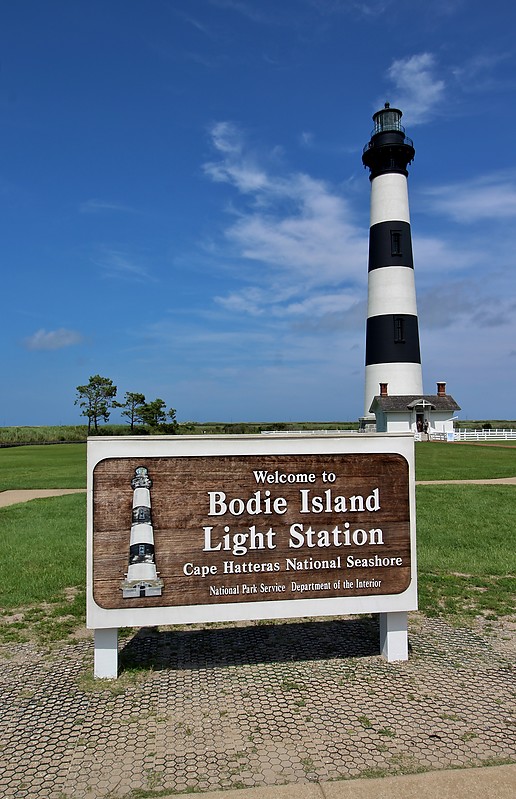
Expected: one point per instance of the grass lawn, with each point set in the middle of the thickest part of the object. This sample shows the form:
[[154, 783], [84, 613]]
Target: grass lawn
[[466, 553], [64, 465], [508, 443], [43, 466], [441, 461], [43, 568]]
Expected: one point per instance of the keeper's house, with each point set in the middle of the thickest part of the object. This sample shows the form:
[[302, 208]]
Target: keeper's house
[[426, 413]]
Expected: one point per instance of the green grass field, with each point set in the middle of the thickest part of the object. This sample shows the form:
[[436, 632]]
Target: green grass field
[[461, 461], [466, 553], [43, 466], [64, 465], [42, 571]]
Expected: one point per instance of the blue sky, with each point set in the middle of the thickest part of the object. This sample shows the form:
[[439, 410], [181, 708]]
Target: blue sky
[[184, 208]]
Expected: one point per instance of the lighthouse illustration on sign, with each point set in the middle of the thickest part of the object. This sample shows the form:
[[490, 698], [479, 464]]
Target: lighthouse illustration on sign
[[392, 336], [142, 578]]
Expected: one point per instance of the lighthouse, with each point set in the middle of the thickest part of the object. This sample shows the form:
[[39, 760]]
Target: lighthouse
[[393, 356], [142, 578]]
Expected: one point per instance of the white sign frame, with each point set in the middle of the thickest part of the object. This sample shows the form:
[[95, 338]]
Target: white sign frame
[[392, 608]]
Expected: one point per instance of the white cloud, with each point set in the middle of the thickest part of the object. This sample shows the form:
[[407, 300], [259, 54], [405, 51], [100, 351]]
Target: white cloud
[[99, 206], [300, 231], [418, 91], [256, 302], [215, 349], [367, 8], [484, 197], [252, 11], [306, 138], [480, 73], [116, 264], [439, 258], [52, 339], [251, 301], [236, 167], [312, 240]]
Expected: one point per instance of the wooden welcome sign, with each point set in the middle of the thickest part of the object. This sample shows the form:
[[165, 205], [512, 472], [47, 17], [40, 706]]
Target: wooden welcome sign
[[204, 528]]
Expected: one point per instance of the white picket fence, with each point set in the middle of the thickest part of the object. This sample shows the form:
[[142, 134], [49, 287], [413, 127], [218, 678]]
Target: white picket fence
[[484, 435]]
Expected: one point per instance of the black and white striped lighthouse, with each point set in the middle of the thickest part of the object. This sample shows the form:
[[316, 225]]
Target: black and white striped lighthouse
[[141, 579], [392, 335]]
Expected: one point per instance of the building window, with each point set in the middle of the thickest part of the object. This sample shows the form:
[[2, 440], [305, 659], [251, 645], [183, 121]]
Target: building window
[[399, 330], [396, 242]]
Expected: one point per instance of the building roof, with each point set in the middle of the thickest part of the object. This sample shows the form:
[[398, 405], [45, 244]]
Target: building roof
[[407, 402]]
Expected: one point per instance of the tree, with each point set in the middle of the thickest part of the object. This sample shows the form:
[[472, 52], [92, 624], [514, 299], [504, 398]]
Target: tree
[[154, 415], [172, 426], [96, 398], [133, 407]]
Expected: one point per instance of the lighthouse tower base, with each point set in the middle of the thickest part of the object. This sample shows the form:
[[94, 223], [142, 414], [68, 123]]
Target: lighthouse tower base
[[402, 379]]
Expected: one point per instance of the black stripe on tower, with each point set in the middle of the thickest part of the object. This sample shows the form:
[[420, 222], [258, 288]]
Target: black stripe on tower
[[390, 244], [392, 338], [141, 515], [141, 553]]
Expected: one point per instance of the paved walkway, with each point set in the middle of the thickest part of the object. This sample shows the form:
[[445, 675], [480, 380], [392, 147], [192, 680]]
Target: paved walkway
[[495, 782], [25, 495], [255, 706]]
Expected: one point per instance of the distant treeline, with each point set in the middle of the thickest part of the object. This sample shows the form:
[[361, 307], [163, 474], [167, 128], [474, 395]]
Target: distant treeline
[[12, 436]]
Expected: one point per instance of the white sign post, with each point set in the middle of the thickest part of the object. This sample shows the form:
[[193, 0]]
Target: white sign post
[[193, 529]]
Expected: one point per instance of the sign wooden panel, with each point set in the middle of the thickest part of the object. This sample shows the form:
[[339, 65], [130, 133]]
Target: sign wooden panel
[[249, 528]]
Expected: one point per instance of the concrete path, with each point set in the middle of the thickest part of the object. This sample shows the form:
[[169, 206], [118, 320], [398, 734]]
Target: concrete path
[[496, 782], [22, 495]]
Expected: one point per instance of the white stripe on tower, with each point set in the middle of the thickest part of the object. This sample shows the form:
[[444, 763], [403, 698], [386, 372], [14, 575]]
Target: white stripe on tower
[[392, 336]]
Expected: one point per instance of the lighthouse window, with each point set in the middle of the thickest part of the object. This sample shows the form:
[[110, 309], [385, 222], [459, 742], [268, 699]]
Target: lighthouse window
[[399, 330], [395, 242]]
